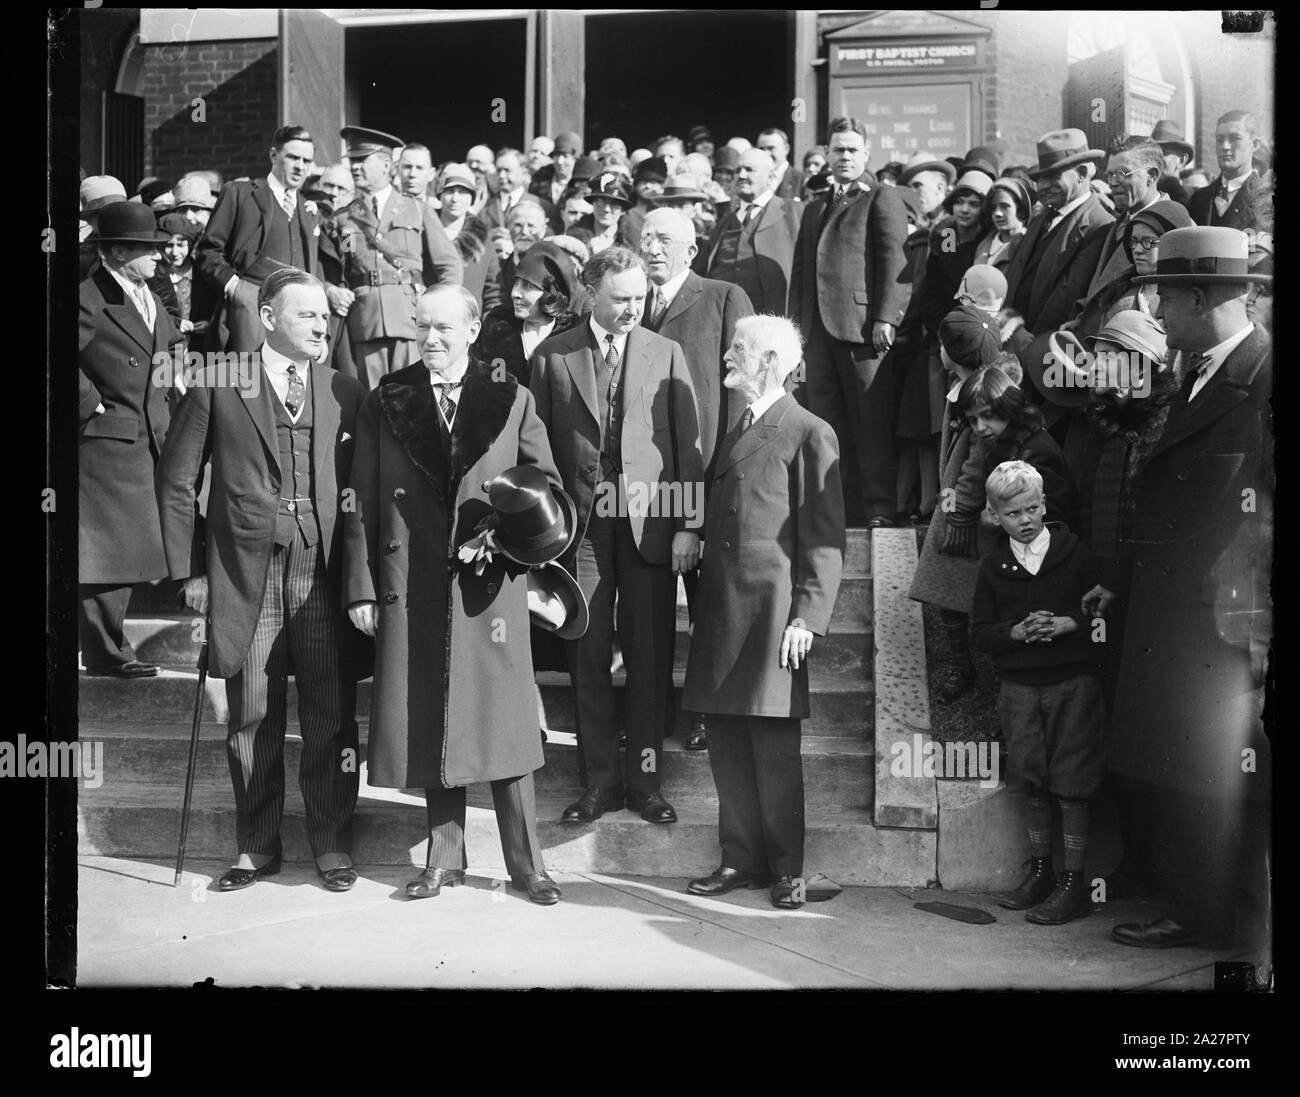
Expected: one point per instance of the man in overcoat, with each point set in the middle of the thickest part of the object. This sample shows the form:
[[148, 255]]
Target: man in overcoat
[[267, 564], [454, 702], [773, 557], [124, 417], [1187, 725]]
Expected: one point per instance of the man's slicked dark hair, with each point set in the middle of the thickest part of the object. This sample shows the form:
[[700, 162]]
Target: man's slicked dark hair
[[285, 134], [847, 125], [613, 260], [279, 280]]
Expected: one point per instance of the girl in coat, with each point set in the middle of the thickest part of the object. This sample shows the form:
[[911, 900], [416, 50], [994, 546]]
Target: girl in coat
[[1008, 207]]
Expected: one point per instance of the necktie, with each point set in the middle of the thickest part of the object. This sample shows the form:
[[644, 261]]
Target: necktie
[[747, 420], [837, 196], [446, 403], [660, 307], [1195, 366], [297, 391], [374, 205], [613, 443], [140, 295], [1223, 199], [290, 203]]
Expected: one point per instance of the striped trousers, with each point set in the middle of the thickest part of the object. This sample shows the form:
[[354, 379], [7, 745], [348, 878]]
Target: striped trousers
[[516, 807], [300, 630]]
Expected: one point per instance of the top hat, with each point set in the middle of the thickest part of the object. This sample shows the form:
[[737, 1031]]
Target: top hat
[[193, 192], [534, 522], [98, 191], [613, 186], [1169, 136], [981, 158], [363, 142], [1196, 256], [923, 161], [457, 175], [127, 223], [1064, 149], [555, 602], [683, 188]]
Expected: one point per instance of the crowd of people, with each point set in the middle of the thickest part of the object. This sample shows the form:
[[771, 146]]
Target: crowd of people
[[460, 373]]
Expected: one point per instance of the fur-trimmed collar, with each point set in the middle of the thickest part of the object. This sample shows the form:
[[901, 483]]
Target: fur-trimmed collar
[[407, 400]]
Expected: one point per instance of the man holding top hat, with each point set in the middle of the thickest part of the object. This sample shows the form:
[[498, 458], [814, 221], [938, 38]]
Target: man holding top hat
[[391, 247], [1187, 712], [457, 497]]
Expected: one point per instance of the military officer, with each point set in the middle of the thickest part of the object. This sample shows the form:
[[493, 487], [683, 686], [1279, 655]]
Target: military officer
[[391, 248]]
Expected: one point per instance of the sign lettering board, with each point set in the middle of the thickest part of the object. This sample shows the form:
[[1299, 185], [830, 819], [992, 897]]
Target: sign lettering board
[[903, 119]]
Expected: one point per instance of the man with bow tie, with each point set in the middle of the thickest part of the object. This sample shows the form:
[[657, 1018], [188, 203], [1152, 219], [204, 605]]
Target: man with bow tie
[[1238, 198], [773, 557], [266, 566], [391, 247], [260, 226], [847, 295]]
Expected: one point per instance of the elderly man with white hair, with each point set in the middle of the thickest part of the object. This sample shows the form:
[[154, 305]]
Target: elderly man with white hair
[[773, 557]]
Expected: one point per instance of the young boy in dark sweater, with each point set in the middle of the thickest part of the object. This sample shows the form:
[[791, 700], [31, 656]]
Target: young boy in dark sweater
[[1027, 616]]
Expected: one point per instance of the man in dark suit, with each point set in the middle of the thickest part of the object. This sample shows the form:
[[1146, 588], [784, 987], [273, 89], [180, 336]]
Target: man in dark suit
[[699, 315], [753, 245], [775, 552], [1062, 244], [267, 563], [619, 406], [124, 418], [511, 177], [550, 181], [1189, 695], [1238, 198], [257, 227], [847, 294], [787, 180]]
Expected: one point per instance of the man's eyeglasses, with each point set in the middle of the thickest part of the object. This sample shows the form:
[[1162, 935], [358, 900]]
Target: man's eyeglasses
[[1119, 176], [1145, 244]]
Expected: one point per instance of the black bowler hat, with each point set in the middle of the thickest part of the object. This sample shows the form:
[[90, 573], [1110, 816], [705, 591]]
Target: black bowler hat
[[363, 142], [534, 523], [127, 222]]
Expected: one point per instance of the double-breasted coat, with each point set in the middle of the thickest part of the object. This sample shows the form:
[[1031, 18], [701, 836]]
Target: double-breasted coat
[[119, 538], [222, 421], [774, 554], [1186, 705], [453, 701]]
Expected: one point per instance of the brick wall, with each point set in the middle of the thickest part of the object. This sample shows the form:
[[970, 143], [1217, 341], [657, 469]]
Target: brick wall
[[1236, 74], [237, 82], [1028, 78]]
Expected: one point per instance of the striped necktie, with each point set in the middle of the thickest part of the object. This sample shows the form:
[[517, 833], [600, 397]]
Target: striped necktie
[[747, 420], [290, 203], [1195, 366], [297, 391], [445, 402]]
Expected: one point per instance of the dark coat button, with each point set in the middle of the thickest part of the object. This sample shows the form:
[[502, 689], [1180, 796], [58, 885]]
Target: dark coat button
[[492, 588], [390, 597], [1183, 474], [393, 546], [731, 510], [272, 491], [399, 493], [726, 544], [133, 361], [740, 476]]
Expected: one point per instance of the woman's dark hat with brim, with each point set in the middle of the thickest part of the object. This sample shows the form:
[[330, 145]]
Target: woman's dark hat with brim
[[545, 258], [535, 523], [1201, 255], [127, 223], [552, 579]]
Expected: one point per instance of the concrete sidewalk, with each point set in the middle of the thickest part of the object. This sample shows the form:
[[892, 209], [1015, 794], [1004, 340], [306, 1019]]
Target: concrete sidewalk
[[609, 932]]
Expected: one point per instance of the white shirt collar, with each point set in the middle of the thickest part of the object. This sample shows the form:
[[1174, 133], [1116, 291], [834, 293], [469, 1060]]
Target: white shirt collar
[[1218, 354], [382, 196], [672, 287], [531, 339], [1232, 185], [436, 379], [132, 288], [277, 188], [1071, 206], [759, 202], [764, 402], [276, 363], [1031, 555], [620, 341], [123, 281]]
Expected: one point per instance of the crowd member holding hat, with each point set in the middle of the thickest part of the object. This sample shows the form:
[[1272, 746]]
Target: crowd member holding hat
[[618, 403], [548, 182], [259, 226], [1009, 204], [775, 531], [1187, 714], [265, 565], [1027, 615], [482, 270], [194, 297], [436, 471], [124, 417], [610, 198], [847, 293], [391, 247], [539, 307], [752, 246]]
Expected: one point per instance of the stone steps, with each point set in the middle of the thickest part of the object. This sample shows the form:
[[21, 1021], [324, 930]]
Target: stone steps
[[143, 821]]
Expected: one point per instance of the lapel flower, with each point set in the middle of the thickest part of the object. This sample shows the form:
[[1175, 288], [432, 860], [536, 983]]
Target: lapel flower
[[310, 206], [478, 550]]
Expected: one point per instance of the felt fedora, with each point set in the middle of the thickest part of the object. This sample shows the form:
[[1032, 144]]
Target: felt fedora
[[1197, 256], [555, 602], [923, 161], [1064, 149], [1169, 136], [1060, 368]]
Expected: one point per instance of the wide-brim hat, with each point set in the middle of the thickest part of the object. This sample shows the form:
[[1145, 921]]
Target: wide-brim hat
[[98, 191], [546, 257], [363, 142], [1169, 136], [127, 222], [1059, 352], [534, 522], [559, 591], [1064, 149], [613, 186], [923, 161], [683, 188], [1195, 256]]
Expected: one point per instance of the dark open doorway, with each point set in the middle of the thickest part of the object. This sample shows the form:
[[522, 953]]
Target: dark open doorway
[[661, 72], [435, 83]]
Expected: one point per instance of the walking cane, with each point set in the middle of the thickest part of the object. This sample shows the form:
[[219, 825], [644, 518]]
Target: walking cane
[[194, 753]]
